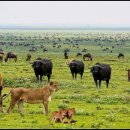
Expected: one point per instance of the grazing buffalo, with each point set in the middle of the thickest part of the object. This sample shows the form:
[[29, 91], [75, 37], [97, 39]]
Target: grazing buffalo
[[87, 55], [78, 54], [66, 54], [10, 55], [121, 55], [66, 50], [42, 67], [1, 52], [45, 49], [28, 57], [59, 46], [84, 50], [101, 72], [33, 49], [76, 67], [1, 57]]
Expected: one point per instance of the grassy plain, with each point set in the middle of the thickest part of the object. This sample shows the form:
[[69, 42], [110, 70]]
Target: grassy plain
[[95, 108]]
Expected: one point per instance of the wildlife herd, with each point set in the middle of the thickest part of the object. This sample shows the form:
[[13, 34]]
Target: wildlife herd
[[44, 66]]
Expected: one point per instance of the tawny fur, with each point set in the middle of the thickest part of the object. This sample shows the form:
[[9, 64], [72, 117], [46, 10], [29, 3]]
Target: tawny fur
[[61, 114], [58, 116], [40, 95]]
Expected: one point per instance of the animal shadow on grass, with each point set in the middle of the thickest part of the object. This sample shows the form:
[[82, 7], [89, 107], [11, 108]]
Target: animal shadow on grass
[[73, 121]]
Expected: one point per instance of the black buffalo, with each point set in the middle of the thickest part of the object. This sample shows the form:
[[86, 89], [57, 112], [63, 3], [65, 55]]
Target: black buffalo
[[121, 55], [66, 55], [28, 58], [76, 67], [45, 49], [42, 67], [11, 55], [78, 54], [88, 55], [101, 72]]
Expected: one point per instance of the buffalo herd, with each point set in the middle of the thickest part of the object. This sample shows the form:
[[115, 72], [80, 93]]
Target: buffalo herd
[[43, 67]]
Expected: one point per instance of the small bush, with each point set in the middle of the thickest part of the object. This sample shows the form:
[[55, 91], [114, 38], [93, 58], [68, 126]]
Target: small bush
[[62, 105]]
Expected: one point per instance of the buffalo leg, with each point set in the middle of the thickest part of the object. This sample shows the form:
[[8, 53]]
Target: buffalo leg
[[107, 82], [72, 75], [48, 77], [96, 83], [99, 83], [41, 78], [81, 75], [75, 75], [37, 76]]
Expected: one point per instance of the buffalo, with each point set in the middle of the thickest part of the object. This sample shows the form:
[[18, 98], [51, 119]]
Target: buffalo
[[87, 55], [78, 54], [66, 55], [33, 49], [76, 67], [1, 57], [28, 58], [45, 49], [42, 67], [101, 72], [84, 50], [11, 55], [121, 55]]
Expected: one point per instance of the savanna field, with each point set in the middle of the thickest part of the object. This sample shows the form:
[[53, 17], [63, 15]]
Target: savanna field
[[95, 108]]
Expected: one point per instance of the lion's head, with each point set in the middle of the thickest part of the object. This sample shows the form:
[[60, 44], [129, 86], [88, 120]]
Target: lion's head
[[53, 86]]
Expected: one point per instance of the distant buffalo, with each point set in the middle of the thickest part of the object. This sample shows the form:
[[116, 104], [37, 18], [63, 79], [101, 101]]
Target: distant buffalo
[[78, 54], [84, 50], [42, 67], [88, 55], [1, 57], [66, 55], [28, 58], [76, 67], [121, 55], [101, 72], [45, 49], [33, 49], [11, 55]]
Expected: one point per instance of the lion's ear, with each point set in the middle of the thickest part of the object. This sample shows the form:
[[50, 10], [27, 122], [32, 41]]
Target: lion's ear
[[51, 83]]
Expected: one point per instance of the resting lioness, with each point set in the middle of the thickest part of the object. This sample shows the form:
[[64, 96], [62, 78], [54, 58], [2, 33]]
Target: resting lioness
[[29, 95]]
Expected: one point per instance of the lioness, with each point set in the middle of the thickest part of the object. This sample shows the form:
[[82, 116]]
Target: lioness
[[58, 116], [39, 95]]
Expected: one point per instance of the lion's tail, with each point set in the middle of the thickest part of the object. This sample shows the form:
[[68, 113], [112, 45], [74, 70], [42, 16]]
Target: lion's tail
[[6, 95]]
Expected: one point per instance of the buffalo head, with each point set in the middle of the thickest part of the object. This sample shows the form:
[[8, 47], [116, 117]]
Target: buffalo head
[[73, 65], [96, 68], [37, 64]]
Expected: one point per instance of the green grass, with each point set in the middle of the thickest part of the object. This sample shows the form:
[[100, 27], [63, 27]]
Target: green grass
[[95, 108]]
